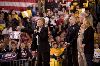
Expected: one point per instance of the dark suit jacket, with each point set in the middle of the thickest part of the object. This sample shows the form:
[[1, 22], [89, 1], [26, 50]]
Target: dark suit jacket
[[88, 40], [43, 41], [72, 35]]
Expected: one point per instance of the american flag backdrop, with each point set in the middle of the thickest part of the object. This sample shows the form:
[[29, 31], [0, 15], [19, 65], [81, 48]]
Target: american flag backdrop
[[17, 5]]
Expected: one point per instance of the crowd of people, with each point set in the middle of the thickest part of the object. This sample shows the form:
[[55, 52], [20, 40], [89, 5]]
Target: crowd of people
[[55, 38]]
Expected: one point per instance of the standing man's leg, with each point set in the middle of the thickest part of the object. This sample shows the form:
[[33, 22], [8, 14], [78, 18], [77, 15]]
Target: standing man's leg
[[75, 57], [46, 58], [39, 59], [89, 59], [69, 53]]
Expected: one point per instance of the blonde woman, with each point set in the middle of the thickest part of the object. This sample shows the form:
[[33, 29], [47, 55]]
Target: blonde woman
[[81, 56], [88, 41]]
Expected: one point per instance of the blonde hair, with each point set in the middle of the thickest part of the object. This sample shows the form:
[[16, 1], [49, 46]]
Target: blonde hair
[[88, 22], [42, 19]]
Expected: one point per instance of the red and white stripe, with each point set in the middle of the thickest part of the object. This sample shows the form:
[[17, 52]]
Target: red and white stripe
[[17, 5], [69, 0], [50, 0]]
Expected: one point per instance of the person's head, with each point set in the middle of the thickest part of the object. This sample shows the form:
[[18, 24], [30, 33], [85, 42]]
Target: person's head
[[28, 45], [87, 11], [48, 11], [1, 17], [9, 25], [96, 46], [51, 39], [25, 42], [55, 45], [12, 11], [62, 42], [63, 9], [1, 44], [52, 42], [72, 20], [58, 39], [41, 22], [77, 6], [62, 34], [63, 45], [37, 13], [23, 32], [22, 45], [87, 22], [6, 39], [49, 34], [62, 16], [98, 27], [13, 44], [81, 17], [33, 5], [44, 14], [77, 12]]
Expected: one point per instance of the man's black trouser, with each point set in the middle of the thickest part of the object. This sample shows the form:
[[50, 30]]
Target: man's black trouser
[[43, 59], [72, 56], [89, 59]]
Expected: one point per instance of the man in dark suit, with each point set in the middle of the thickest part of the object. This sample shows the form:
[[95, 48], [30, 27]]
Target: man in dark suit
[[71, 39], [42, 44], [88, 42]]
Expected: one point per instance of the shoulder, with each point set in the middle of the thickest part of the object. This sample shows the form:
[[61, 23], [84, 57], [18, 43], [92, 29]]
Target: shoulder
[[45, 28], [77, 26], [90, 29]]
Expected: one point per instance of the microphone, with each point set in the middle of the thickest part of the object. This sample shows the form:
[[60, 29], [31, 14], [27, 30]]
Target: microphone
[[37, 28]]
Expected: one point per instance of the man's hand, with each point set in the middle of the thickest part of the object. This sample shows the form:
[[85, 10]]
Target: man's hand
[[33, 53], [66, 45], [35, 31], [82, 46]]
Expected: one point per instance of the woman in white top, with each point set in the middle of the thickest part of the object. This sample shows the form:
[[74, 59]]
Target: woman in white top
[[81, 56]]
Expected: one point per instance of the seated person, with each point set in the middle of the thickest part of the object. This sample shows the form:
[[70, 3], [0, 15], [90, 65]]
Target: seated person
[[56, 55], [24, 52]]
